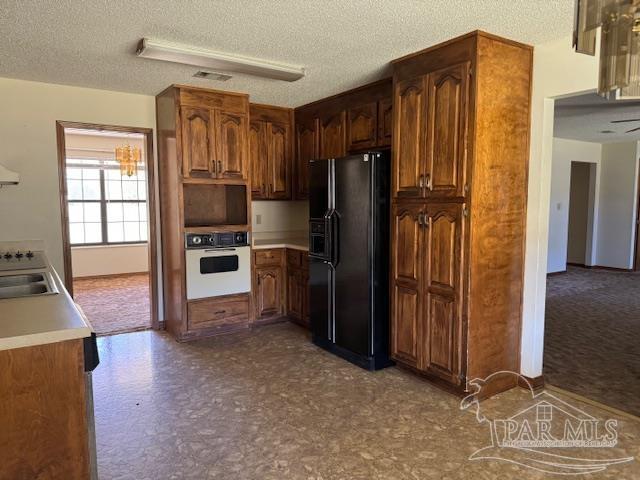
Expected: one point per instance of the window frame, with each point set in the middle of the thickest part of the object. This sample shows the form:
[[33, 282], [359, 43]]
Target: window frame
[[104, 224]]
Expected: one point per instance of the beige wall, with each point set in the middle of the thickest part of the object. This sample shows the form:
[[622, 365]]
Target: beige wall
[[109, 260], [276, 216]]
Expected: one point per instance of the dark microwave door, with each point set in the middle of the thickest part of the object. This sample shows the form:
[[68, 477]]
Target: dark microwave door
[[219, 264]]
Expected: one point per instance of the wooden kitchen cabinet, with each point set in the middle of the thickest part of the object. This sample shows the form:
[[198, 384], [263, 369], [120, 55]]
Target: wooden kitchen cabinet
[[459, 183], [307, 148], [298, 286], [268, 285], [214, 131], [271, 152], [203, 173], [350, 122], [333, 139]]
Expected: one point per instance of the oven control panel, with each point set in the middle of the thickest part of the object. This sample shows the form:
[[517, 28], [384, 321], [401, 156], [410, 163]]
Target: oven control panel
[[216, 240]]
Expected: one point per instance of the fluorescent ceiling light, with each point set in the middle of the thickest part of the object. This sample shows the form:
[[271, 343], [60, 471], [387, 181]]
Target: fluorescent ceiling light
[[200, 57]]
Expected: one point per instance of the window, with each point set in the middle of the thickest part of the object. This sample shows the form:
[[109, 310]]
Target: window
[[104, 206]]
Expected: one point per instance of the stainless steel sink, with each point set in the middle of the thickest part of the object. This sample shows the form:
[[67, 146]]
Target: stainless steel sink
[[27, 285]]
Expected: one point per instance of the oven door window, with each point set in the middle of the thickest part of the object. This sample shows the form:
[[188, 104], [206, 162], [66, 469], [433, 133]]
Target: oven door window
[[227, 263]]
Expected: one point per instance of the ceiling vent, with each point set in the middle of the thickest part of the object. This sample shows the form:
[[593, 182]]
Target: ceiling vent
[[218, 77]]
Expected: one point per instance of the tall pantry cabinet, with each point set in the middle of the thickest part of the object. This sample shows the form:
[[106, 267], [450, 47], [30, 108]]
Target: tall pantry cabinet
[[460, 161]]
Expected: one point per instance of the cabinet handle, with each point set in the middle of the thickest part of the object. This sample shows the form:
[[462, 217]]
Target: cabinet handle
[[220, 312], [421, 219], [219, 166], [421, 182], [428, 181]]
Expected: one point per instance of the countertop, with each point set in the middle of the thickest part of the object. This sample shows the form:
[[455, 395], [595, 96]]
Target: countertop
[[295, 240], [31, 321]]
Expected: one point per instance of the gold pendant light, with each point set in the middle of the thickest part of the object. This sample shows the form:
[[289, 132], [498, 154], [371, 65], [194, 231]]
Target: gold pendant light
[[128, 157], [619, 75]]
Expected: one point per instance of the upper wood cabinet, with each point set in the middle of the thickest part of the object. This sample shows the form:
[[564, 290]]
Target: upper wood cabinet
[[271, 147], [198, 142], [362, 126], [351, 122], [333, 135], [459, 184], [307, 134], [214, 139], [409, 134], [232, 157], [446, 131], [430, 146]]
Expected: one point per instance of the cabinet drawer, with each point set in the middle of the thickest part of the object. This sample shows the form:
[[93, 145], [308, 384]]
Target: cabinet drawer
[[268, 257], [293, 258], [218, 312]]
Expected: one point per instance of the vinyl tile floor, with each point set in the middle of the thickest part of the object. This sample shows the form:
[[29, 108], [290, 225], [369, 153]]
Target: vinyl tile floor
[[115, 304], [592, 335], [267, 404]]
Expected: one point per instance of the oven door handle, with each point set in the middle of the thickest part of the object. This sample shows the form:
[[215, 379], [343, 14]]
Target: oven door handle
[[220, 250]]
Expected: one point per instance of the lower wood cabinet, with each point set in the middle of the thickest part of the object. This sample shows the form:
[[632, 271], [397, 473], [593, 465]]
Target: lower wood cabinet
[[280, 284], [426, 288], [225, 313]]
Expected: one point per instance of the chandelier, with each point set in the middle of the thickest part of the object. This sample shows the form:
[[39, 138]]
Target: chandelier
[[129, 158], [619, 75]]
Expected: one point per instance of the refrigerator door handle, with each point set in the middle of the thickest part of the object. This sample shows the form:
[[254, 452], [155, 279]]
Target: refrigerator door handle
[[332, 236]]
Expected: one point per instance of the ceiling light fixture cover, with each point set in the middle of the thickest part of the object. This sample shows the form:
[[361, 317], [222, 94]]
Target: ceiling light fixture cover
[[200, 57], [619, 20]]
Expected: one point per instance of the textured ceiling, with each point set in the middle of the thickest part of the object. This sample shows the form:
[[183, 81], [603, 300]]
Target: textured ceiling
[[585, 117], [342, 44]]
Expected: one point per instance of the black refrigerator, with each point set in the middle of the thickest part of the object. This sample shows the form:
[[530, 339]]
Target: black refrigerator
[[349, 257]]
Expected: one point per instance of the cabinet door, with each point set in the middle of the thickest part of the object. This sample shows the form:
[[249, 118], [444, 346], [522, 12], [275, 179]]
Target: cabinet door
[[232, 145], [197, 142], [385, 122], [258, 160], [442, 291], [269, 292], [294, 297], [306, 149], [407, 272], [362, 127], [409, 137], [446, 131], [333, 139], [279, 165]]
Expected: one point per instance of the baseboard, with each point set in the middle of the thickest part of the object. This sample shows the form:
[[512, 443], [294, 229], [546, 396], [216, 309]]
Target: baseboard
[[555, 274], [111, 275], [601, 267], [536, 383]]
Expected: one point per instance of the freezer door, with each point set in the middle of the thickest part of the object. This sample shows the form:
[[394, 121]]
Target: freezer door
[[352, 298], [321, 291]]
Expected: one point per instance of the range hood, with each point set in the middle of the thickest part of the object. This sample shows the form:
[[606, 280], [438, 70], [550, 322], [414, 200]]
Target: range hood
[[7, 177]]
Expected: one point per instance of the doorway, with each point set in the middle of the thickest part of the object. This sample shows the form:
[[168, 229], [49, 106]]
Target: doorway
[[592, 317], [108, 223]]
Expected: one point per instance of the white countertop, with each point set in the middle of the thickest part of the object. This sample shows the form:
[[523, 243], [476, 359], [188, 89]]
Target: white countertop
[[39, 320], [295, 240]]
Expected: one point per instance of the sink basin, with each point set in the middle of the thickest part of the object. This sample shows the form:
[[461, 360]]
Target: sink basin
[[11, 280], [26, 285]]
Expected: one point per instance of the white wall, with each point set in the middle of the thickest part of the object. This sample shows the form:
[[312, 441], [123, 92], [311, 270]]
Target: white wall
[[109, 260], [31, 210], [618, 198], [277, 216], [564, 152]]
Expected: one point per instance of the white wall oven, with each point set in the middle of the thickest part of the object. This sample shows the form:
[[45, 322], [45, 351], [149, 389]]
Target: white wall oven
[[217, 264]]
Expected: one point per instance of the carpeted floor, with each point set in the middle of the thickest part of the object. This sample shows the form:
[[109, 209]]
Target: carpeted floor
[[592, 336], [115, 304]]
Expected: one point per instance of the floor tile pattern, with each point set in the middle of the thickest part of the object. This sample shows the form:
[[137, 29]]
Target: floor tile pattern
[[592, 335], [115, 304], [267, 404]]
